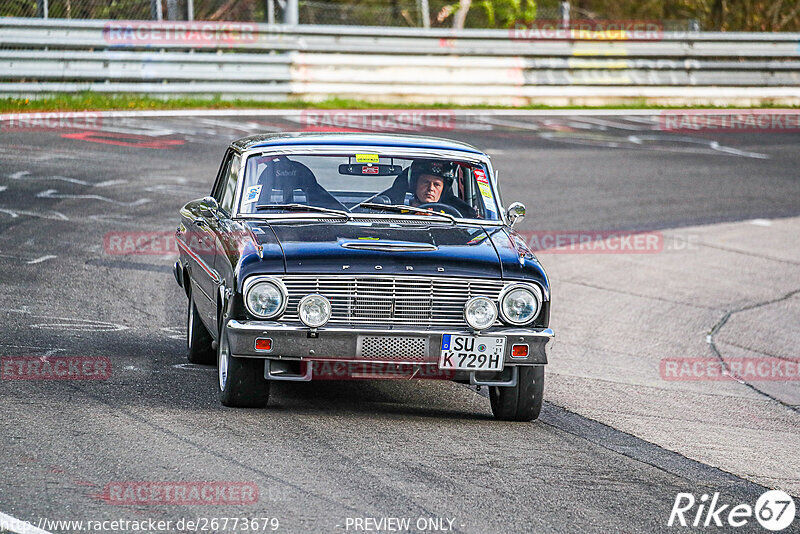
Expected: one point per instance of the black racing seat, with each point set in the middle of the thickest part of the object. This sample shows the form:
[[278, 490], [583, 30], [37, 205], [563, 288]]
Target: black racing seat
[[284, 181], [397, 192]]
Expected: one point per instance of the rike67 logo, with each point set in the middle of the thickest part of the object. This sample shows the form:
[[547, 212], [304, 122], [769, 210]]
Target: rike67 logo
[[774, 510]]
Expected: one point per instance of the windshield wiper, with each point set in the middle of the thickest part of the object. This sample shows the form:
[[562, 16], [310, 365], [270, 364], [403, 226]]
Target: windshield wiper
[[402, 207], [303, 207]]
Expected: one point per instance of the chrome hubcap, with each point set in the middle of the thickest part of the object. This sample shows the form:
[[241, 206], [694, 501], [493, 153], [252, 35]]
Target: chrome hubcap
[[222, 361], [190, 316]]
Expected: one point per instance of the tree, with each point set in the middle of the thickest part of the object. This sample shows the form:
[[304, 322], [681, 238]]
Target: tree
[[494, 13]]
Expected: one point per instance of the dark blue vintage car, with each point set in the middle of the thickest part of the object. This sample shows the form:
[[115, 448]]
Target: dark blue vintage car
[[341, 256]]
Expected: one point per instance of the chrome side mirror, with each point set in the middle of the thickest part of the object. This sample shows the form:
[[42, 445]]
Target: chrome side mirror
[[515, 213], [209, 206]]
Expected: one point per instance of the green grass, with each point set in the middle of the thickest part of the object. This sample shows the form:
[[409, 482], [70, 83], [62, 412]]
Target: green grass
[[89, 101]]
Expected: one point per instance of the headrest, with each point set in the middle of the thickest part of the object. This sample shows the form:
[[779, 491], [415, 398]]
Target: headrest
[[284, 173]]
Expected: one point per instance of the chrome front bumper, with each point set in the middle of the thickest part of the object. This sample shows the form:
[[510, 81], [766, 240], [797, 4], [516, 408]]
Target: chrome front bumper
[[290, 342]]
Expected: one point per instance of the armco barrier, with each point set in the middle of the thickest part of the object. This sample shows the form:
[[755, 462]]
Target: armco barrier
[[259, 61]]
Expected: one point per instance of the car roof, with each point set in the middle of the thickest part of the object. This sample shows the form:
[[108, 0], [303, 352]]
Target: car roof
[[351, 139]]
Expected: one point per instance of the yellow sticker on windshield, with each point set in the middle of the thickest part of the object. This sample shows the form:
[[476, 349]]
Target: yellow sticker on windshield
[[366, 158], [483, 184]]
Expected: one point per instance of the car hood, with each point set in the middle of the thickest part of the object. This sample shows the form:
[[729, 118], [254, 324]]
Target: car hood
[[381, 248]]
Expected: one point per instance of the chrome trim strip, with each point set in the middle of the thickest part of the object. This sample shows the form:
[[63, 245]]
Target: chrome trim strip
[[197, 285], [390, 247], [266, 327], [211, 272]]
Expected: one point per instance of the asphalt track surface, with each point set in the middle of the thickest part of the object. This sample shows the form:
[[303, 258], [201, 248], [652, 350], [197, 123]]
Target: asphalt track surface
[[324, 454]]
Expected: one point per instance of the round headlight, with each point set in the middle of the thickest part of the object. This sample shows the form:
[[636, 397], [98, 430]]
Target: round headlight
[[265, 299], [480, 313], [314, 310], [520, 304]]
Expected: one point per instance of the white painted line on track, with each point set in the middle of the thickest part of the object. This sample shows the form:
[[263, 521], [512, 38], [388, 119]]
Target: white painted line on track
[[111, 182], [53, 215], [26, 175], [193, 367], [53, 193], [77, 325], [12, 524], [41, 259]]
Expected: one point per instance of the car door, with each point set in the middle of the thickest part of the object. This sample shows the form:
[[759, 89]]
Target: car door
[[203, 245], [225, 233]]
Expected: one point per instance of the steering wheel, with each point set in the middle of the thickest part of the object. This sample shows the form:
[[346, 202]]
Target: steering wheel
[[441, 207]]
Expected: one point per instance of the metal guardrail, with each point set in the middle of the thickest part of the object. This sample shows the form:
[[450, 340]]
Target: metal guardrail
[[467, 66]]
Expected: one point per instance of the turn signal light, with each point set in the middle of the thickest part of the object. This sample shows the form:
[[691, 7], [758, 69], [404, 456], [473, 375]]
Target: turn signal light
[[519, 351], [263, 343]]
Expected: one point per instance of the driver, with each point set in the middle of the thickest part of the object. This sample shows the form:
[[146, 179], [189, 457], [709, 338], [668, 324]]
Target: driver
[[428, 181]]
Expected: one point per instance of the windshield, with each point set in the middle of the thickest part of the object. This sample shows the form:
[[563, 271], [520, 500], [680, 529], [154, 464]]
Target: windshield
[[364, 183]]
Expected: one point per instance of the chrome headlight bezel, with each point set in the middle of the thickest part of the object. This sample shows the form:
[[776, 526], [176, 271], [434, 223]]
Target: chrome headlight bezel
[[306, 299], [251, 282], [533, 289], [474, 300]]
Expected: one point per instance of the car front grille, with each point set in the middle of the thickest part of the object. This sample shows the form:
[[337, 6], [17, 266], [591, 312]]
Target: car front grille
[[391, 300]]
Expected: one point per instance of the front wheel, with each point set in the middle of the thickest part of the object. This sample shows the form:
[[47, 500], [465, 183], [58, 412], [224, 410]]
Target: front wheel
[[198, 339], [241, 380], [522, 402]]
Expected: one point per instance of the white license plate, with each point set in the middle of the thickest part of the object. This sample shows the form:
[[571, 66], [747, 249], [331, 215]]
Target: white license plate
[[472, 353]]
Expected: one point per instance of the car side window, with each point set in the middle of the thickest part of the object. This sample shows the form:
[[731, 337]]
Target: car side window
[[222, 174], [229, 187]]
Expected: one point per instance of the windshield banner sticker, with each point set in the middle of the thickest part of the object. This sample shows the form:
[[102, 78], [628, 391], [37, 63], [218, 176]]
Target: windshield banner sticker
[[366, 158], [251, 194]]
